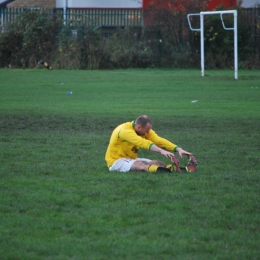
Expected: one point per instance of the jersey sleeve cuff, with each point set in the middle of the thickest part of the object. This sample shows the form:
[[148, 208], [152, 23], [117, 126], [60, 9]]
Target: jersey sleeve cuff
[[151, 146], [175, 148]]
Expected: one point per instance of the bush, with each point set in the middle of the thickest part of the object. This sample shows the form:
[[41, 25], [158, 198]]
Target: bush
[[95, 55], [31, 38], [69, 52], [10, 48]]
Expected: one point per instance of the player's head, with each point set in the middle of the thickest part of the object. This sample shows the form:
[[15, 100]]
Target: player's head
[[143, 125]]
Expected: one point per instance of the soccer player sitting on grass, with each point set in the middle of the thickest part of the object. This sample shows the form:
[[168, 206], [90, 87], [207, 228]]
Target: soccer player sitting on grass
[[127, 138]]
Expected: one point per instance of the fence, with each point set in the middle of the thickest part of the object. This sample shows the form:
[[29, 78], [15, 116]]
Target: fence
[[101, 17], [82, 17], [253, 17]]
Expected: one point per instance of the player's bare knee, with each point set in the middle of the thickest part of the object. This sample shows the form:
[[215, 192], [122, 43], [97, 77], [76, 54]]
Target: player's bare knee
[[157, 163], [140, 166]]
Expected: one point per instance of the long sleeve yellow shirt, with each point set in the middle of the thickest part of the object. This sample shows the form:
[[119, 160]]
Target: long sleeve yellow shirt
[[125, 143]]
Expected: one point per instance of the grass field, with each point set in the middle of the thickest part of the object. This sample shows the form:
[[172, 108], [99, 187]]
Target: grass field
[[59, 201]]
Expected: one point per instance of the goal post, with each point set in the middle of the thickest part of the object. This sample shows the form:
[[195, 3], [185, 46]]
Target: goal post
[[201, 29]]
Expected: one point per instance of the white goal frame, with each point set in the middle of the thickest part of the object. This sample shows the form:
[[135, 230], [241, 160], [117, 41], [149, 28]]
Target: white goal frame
[[201, 29]]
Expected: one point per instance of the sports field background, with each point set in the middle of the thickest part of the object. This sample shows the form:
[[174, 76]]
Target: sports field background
[[59, 201]]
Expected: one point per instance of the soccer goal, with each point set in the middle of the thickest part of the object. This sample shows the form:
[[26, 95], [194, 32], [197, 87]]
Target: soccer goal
[[201, 29]]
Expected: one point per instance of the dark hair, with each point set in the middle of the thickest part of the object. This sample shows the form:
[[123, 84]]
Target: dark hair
[[143, 120]]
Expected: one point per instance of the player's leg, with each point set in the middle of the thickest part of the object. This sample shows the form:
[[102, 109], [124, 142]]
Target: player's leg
[[152, 166], [139, 164]]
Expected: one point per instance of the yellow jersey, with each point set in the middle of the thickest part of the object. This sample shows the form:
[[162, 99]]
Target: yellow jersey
[[125, 143]]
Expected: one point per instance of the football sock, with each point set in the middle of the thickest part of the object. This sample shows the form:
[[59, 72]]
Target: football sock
[[169, 166], [155, 168], [152, 168]]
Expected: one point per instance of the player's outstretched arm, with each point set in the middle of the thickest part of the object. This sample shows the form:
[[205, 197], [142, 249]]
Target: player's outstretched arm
[[157, 149]]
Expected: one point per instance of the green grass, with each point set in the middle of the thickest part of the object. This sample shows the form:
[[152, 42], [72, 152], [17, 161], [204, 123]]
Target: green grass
[[59, 201]]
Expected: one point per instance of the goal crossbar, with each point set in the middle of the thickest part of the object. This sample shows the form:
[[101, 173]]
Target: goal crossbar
[[201, 29]]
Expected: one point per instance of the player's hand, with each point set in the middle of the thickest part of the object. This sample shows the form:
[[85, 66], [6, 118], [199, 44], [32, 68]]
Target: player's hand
[[167, 154], [183, 152]]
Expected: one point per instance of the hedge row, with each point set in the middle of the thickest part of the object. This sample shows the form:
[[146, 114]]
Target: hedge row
[[167, 43]]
